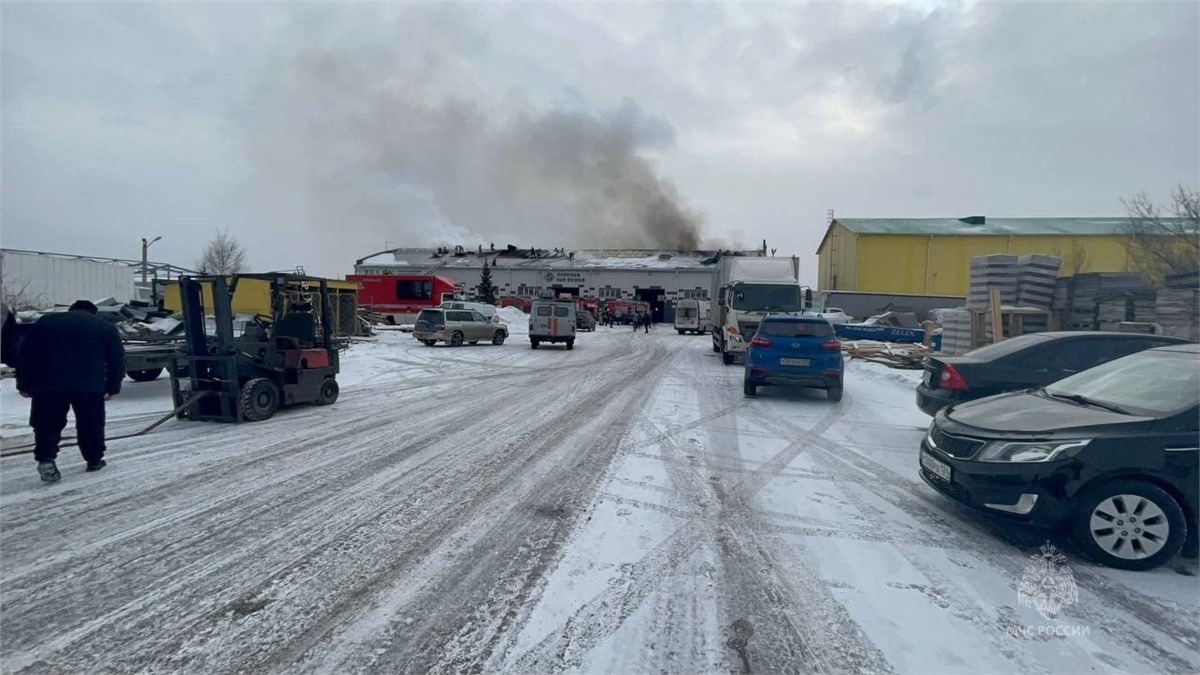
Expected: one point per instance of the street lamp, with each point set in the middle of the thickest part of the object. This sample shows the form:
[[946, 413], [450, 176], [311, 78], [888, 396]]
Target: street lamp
[[145, 248]]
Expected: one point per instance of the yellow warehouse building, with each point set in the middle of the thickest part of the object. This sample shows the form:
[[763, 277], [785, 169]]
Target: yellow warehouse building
[[931, 256]]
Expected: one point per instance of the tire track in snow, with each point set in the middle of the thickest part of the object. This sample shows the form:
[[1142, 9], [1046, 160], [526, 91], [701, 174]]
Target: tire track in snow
[[947, 520], [601, 616]]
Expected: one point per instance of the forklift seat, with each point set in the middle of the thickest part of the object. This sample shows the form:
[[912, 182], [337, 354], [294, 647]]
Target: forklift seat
[[296, 330]]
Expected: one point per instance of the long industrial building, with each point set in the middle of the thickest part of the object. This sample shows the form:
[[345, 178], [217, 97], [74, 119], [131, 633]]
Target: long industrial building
[[657, 277], [931, 256]]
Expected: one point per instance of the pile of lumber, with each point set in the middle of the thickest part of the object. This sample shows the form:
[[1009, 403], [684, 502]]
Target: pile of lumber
[[905, 356]]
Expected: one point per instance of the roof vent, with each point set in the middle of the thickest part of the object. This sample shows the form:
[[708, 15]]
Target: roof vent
[[664, 256], [973, 220]]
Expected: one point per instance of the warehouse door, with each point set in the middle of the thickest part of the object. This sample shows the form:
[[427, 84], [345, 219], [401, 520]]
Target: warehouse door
[[657, 299]]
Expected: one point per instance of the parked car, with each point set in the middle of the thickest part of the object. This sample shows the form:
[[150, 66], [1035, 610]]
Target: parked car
[[796, 351], [1033, 360], [835, 315], [482, 307], [456, 326], [688, 318], [1110, 454], [585, 320], [552, 321]]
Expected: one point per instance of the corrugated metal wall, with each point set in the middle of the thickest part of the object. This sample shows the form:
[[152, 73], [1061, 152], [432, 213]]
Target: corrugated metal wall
[[46, 280], [938, 265]]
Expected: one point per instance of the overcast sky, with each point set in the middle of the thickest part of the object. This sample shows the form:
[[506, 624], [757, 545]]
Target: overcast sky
[[320, 133]]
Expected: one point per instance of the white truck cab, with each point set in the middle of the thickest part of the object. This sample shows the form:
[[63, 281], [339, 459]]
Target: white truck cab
[[552, 321]]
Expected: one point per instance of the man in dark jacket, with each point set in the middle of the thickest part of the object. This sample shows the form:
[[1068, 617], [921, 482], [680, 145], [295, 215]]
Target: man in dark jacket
[[70, 360]]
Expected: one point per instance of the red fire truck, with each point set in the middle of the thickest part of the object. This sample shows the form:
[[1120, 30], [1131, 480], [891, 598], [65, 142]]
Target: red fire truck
[[401, 296]]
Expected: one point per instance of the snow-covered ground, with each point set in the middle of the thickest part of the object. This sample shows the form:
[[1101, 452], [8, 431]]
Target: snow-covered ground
[[616, 508]]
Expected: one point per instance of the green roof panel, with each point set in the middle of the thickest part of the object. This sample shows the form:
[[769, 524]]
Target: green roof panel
[[990, 226]]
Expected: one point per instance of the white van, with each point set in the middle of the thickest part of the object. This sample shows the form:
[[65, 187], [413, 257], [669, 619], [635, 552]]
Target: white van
[[688, 318], [483, 308], [552, 321]]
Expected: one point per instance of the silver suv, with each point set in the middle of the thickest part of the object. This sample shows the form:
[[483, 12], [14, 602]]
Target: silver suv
[[456, 326]]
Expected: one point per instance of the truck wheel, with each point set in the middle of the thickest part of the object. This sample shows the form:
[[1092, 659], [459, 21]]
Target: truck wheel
[[329, 392], [570, 344], [1128, 524], [727, 358], [533, 344], [680, 331], [260, 399], [144, 375], [456, 340], [498, 338]]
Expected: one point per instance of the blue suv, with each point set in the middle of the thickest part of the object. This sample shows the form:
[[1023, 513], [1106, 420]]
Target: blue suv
[[796, 351]]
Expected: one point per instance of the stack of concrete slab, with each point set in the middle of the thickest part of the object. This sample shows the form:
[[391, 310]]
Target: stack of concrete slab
[[992, 271], [1178, 311], [1085, 293], [956, 331], [1037, 276]]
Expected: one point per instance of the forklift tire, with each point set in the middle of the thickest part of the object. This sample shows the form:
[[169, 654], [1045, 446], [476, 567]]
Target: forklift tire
[[456, 340], [329, 392], [260, 399], [144, 375]]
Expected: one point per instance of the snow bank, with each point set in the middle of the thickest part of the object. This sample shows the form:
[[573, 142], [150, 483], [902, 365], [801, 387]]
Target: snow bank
[[517, 321]]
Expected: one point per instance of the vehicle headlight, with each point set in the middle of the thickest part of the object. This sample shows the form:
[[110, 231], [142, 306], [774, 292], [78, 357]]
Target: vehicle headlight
[[1038, 451]]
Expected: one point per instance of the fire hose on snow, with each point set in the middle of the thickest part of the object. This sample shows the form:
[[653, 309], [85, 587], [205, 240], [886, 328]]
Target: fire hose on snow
[[28, 448]]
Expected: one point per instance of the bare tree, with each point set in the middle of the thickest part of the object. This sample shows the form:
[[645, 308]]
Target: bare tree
[[223, 255], [1163, 244], [17, 296], [1074, 261]]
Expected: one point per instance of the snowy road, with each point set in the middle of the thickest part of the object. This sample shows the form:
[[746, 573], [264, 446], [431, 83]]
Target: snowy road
[[616, 508]]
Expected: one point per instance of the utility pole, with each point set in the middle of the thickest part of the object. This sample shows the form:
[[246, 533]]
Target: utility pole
[[145, 256]]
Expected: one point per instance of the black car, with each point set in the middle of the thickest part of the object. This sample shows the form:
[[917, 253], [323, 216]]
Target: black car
[[1110, 454], [1024, 362]]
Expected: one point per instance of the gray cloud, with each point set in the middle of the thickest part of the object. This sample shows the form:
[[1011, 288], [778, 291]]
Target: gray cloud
[[279, 121]]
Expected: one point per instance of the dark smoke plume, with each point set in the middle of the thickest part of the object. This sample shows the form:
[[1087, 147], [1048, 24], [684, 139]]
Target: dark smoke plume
[[405, 158]]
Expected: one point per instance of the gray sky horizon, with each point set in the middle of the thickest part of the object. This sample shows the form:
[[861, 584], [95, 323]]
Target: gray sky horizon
[[319, 133]]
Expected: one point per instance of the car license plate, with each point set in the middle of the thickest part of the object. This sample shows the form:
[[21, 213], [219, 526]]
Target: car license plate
[[933, 466], [794, 362]]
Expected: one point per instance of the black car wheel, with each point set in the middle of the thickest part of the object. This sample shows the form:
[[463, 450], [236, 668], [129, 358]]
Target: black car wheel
[[260, 399], [727, 358], [834, 393], [749, 388], [429, 343], [1128, 524], [329, 392], [144, 375], [498, 338], [456, 339]]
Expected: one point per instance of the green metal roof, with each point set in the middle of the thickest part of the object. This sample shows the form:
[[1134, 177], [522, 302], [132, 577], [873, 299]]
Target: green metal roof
[[990, 226]]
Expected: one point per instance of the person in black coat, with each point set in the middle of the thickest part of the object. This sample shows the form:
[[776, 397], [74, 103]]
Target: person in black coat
[[71, 360]]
